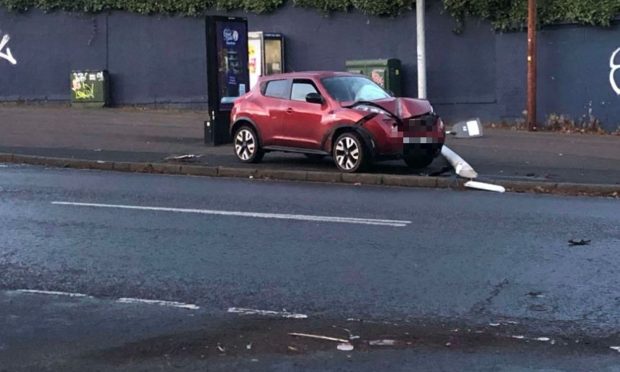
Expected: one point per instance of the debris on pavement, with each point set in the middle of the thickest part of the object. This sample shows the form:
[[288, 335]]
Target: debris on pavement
[[320, 337], [351, 335], [221, 348], [461, 167], [617, 348], [187, 158], [574, 242], [382, 342], [293, 348], [485, 186], [345, 347]]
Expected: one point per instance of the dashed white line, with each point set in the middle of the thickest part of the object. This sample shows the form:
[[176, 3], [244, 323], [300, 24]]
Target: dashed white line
[[127, 300], [52, 293], [281, 314], [281, 216]]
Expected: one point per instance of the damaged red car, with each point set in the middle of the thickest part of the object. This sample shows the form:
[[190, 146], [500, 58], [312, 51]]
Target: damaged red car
[[342, 115]]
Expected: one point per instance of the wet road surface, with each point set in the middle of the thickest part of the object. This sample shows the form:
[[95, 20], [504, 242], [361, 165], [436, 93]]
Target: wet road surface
[[449, 276]]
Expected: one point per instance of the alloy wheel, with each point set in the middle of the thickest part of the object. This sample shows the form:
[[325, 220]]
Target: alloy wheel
[[348, 153], [245, 144]]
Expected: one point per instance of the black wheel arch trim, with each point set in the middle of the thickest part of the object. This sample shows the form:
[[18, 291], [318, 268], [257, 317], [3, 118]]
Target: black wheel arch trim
[[244, 119], [358, 127]]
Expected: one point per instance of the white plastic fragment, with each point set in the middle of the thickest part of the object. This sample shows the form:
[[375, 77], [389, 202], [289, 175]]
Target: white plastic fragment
[[319, 337], [617, 348], [494, 324], [518, 337], [382, 342], [345, 347], [461, 167], [543, 339], [485, 186]]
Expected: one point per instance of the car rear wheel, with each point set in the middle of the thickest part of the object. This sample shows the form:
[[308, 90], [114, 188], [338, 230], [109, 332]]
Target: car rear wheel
[[419, 161], [348, 152], [246, 144]]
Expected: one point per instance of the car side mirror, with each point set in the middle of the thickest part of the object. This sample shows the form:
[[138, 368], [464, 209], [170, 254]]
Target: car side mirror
[[314, 98]]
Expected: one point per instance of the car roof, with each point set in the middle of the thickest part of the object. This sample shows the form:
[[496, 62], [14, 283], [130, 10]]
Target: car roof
[[307, 74]]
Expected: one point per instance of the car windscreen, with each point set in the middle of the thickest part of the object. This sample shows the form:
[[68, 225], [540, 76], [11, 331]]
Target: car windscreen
[[353, 88]]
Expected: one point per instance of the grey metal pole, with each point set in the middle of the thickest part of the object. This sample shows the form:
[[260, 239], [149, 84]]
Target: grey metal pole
[[421, 42], [531, 65]]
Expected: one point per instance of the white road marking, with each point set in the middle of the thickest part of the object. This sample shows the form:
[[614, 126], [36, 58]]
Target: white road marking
[[126, 300], [282, 216], [52, 293], [282, 314]]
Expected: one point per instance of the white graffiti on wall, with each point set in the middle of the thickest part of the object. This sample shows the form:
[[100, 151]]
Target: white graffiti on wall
[[6, 54], [614, 67]]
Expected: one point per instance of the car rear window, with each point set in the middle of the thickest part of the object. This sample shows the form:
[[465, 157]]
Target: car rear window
[[276, 89]]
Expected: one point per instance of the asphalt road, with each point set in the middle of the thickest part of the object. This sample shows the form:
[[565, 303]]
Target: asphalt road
[[454, 278]]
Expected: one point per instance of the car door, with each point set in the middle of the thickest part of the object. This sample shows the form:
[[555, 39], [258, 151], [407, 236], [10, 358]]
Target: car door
[[273, 105], [302, 121]]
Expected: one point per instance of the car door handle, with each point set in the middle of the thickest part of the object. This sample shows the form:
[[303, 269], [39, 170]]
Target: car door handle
[[289, 110]]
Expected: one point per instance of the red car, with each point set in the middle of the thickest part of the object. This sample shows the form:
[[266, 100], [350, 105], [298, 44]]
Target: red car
[[340, 114]]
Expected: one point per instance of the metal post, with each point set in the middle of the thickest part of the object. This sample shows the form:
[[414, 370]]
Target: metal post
[[531, 65], [421, 42]]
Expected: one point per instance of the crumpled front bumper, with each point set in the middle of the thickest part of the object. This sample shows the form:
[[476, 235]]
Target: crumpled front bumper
[[419, 136]]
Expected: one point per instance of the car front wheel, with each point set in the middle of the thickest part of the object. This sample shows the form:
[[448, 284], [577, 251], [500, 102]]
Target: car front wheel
[[246, 144], [348, 152]]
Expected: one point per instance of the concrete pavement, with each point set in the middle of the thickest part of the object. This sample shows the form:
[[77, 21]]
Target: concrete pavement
[[127, 135]]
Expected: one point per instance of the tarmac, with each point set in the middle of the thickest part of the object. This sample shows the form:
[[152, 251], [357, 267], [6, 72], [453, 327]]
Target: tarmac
[[144, 140]]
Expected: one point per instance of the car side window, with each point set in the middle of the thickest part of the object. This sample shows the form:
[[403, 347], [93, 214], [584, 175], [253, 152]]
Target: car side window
[[301, 89], [276, 89]]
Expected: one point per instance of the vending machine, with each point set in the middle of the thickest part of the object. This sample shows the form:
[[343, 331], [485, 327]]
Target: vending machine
[[227, 73], [266, 54]]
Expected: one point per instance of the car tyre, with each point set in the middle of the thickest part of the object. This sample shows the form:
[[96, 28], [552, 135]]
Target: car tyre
[[349, 153], [246, 145], [419, 161]]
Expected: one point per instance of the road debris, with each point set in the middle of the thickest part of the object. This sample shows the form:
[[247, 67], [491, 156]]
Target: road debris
[[351, 335], [221, 348], [320, 337], [280, 314], [485, 186], [494, 324], [382, 342], [574, 242], [249, 346], [461, 167], [518, 337], [617, 348], [187, 158], [543, 339], [293, 348], [345, 347], [536, 294]]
